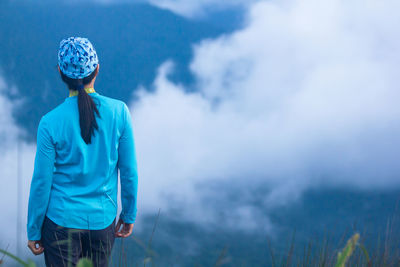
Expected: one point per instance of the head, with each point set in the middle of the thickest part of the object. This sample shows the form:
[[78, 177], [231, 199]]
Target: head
[[78, 66]]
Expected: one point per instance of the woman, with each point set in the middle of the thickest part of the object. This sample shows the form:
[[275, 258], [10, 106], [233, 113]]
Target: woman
[[81, 144]]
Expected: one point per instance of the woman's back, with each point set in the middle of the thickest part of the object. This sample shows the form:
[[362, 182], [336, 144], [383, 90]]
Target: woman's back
[[84, 188], [81, 180]]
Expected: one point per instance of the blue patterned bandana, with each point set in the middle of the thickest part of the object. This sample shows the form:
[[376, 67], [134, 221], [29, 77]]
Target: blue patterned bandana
[[77, 57]]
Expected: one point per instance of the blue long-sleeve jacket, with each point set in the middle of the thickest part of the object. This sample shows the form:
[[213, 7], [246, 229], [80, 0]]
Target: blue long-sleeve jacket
[[75, 184]]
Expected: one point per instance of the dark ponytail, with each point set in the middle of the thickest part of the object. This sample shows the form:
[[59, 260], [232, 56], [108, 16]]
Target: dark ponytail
[[87, 107]]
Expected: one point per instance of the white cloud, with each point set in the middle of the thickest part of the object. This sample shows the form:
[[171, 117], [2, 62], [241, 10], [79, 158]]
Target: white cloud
[[12, 159], [198, 8], [305, 95]]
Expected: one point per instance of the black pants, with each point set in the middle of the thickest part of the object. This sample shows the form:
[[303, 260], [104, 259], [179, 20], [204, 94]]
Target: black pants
[[64, 247]]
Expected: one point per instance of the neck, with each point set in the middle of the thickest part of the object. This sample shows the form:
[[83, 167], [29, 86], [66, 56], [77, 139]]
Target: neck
[[86, 88]]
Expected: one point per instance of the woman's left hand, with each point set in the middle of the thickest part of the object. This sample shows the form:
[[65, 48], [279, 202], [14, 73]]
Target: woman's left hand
[[32, 246]]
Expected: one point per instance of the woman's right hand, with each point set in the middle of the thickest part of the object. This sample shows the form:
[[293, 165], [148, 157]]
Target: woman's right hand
[[126, 229], [35, 246]]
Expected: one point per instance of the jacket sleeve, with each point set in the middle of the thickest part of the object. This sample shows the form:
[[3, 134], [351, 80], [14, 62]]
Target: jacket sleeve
[[41, 181], [128, 169]]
